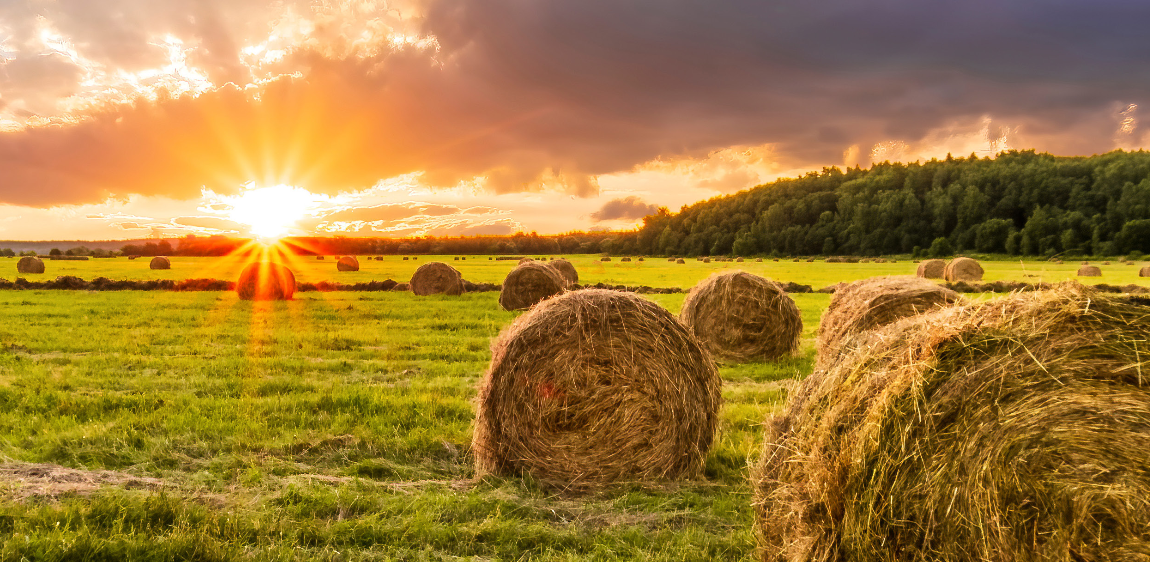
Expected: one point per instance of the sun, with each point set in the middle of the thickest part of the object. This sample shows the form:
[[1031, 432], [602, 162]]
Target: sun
[[271, 212]]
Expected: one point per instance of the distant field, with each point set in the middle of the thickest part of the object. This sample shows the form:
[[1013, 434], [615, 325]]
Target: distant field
[[654, 272]]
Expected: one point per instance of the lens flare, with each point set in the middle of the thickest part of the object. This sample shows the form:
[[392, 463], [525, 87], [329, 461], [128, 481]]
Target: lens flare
[[271, 212]]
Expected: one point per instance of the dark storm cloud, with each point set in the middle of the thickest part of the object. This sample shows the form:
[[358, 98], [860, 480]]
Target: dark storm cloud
[[531, 92], [631, 208]]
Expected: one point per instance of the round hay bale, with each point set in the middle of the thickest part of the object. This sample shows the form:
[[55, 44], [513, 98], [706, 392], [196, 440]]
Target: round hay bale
[[741, 317], [625, 259], [680, 260], [319, 257], [566, 270], [706, 260], [605, 259], [739, 260], [596, 386], [962, 269], [347, 263], [434, 278], [265, 281], [160, 262], [759, 260], [641, 258], [30, 264], [871, 303], [525, 260], [931, 269], [671, 259], [528, 284], [1144, 272], [1083, 263], [1105, 263], [405, 258], [1089, 271], [1014, 429]]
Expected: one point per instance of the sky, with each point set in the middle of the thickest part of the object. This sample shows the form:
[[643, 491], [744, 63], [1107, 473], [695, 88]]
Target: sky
[[135, 118]]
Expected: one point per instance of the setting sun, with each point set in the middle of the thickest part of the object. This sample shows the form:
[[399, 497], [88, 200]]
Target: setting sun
[[272, 212]]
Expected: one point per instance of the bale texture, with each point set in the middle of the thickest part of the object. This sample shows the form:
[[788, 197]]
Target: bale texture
[[1144, 272], [30, 264], [528, 284], [962, 269], [1090, 271], [266, 281], [434, 278], [347, 263], [593, 387], [931, 269], [160, 262], [1009, 430], [871, 303], [742, 317], [566, 270]]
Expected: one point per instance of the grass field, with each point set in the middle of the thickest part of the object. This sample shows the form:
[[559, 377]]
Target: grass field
[[193, 426]]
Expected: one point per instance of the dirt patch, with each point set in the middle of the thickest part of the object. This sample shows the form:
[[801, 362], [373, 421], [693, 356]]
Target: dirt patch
[[25, 481]]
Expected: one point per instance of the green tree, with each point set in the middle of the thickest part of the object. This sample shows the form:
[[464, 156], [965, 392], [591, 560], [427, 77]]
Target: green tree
[[941, 248]]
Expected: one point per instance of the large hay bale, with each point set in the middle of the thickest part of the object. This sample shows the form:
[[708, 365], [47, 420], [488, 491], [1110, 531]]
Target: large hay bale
[[743, 317], [265, 281], [871, 303], [347, 263], [434, 278], [1089, 271], [962, 269], [528, 284], [931, 269], [1009, 430], [565, 269], [30, 264], [596, 386], [1144, 272], [160, 262]]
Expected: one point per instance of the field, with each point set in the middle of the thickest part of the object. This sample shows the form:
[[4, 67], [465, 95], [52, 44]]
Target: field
[[162, 425]]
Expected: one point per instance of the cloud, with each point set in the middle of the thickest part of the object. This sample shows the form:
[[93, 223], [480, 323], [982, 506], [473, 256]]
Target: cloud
[[629, 208], [536, 95], [212, 223], [390, 212]]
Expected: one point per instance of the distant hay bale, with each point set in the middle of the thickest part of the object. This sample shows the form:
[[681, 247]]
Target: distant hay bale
[[566, 270], [1089, 271], [671, 259], [931, 269], [525, 260], [871, 303], [640, 258], [378, 258], [1144, 272], [30, 264], [435, 278], [319, 257], [1008, 430], [405, 258], [706, 260], [401, 287], [1105, 263], [605, 259], [265, 281], [759, 260], [625, 259], [347, 263], [740, 260], [160, 262], [593, 387], [742, 317], [1083, 263], [680, 260], [962, 269], [528, 284]]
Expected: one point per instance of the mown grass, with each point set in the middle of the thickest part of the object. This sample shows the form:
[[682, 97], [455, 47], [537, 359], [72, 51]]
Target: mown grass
[[335, 426]]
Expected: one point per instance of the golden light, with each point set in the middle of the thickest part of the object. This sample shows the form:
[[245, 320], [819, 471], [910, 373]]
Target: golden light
[[272, 212]]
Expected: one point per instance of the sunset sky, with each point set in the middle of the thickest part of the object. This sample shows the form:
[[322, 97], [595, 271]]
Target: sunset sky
[[128, 118]]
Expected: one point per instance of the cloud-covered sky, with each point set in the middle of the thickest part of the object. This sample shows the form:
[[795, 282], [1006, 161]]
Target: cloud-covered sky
[[469, 116]]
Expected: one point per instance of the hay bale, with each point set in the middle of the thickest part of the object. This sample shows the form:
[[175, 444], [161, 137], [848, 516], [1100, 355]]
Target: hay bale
[[605, 259], [30, 264], [319, 257], [1089, 271], [347, 263], [566, 270], [401, 287], [1083, 263], [680, 260], [265, 281], [625, 259], [871, 303], [740, 260], [1008, 430], [525, 260], [593, 387], [641, 258], [160, 262], [405, 258], [759, 260], [1144, 272], [706, 260], [743, 317], [931, 269], [528, 284], [434, 278], [962, 269]]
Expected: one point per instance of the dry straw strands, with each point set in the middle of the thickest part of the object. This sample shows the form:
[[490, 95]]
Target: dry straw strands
[[265, 281], [347, 263], [962, 269], [30, 264], [870, 303], [160, 262], [931, 269], [1089, 271], [1013, 429], [740, 317], [528, 284], [433, 278], [565, 269], [593, 387]]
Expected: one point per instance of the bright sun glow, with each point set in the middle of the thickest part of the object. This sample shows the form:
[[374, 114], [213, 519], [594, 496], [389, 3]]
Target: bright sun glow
[[272, 212]]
